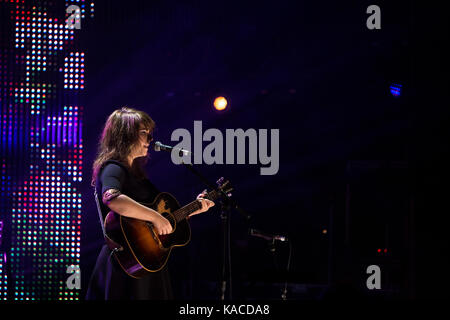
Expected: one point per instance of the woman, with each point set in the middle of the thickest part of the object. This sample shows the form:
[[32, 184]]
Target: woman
[[121, 183]]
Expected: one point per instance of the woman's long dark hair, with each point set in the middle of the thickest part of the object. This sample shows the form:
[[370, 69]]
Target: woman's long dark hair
[[120, 133]]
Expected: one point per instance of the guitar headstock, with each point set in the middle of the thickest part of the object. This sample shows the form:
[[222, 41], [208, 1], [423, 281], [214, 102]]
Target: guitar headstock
[[224, 186]]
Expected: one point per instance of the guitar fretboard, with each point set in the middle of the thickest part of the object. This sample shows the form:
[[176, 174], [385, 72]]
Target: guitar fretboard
[[195, 205]]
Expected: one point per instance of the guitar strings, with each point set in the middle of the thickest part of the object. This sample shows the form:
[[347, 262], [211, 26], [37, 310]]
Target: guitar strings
[[181, 213]]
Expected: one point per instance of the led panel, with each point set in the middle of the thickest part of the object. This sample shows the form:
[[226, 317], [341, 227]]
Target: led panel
[[41, 79]]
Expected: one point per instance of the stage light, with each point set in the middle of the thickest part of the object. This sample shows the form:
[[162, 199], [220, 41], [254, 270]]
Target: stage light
[[220, 103], [396, 89]]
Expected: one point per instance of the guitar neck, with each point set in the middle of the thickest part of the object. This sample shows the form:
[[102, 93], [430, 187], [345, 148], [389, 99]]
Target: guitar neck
[[195, 205]]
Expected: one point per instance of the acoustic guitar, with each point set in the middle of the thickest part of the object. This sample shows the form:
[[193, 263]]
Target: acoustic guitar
[[138, 248]]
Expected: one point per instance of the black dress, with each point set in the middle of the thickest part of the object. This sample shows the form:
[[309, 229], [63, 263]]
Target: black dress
[[108, 280]]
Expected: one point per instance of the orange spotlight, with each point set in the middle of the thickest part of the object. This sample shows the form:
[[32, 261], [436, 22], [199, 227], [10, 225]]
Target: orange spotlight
[[220, 103]]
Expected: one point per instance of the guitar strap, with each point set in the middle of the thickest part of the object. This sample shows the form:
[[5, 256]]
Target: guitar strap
[[114, 246]]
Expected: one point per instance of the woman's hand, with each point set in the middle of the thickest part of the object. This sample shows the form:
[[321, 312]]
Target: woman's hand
[[161, 224], [206, 204]]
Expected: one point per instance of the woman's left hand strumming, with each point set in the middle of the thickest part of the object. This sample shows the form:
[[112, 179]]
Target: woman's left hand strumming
[[206, 204]]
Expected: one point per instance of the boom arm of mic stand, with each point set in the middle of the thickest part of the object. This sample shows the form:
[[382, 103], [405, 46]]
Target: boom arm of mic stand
[[225, 197]]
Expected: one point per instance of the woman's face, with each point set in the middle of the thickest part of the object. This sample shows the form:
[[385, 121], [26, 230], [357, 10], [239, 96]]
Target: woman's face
[[140, 148]]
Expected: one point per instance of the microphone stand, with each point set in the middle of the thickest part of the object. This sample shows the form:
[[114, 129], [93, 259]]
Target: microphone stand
[[271, 244], [226, 251], [227, 204]]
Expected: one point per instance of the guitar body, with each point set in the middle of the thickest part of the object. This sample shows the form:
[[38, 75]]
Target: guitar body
[[141, 250]]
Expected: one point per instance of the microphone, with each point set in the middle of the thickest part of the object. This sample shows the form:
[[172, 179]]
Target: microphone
[[267, 236], [159, 146]]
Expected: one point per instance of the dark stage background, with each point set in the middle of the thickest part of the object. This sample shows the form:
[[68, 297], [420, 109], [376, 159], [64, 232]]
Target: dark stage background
[[362, 171], [316, 72]]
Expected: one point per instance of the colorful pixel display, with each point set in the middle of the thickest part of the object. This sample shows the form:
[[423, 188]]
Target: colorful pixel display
[[41, 82]]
